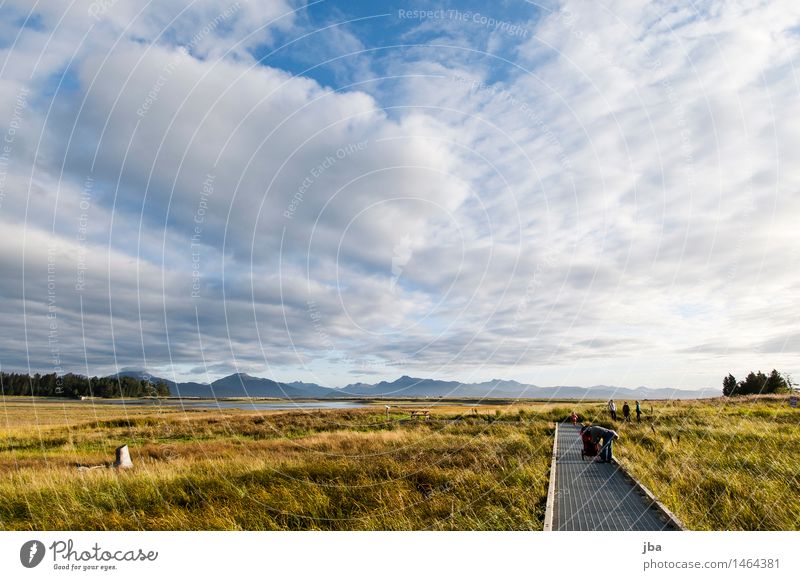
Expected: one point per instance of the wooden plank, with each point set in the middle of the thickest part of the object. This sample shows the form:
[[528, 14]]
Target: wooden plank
[[600, 496], [551, 488]]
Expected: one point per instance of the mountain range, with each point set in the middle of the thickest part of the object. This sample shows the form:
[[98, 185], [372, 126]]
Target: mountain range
[[244, 385]]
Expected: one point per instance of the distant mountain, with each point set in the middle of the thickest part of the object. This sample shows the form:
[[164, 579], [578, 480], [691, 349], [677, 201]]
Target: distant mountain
[[244, 385], [620, 393], [236, 385], [191, 389], [407, 386], [142, 375]]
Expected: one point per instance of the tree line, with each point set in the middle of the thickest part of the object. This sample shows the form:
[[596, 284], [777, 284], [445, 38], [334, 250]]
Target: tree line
[[756, 383], [72, 385]]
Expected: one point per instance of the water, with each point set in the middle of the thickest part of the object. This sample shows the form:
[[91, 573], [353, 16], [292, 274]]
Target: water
[[231, 404]]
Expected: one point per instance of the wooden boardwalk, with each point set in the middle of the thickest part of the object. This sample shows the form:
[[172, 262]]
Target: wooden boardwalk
[[598, 496]]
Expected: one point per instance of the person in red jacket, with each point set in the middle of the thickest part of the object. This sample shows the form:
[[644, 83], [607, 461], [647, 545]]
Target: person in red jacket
[[596, 432]]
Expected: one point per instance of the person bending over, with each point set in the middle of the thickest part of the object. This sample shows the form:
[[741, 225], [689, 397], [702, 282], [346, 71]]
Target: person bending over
[[597, 433]]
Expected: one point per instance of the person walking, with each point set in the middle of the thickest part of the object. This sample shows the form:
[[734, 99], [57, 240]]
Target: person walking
[[638, 413], [612, 407], [596, 432], [626, 411], [574, 418]]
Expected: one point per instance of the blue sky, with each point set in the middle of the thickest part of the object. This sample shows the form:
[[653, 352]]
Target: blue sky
[[357, 34], [554, 192]]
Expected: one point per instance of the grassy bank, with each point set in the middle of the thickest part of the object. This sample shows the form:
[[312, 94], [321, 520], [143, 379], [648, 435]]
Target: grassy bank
[[723, 464], [200, 470], [727, 464]]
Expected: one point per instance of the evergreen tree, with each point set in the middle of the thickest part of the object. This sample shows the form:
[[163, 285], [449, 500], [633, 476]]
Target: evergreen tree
[[776, 383], [74, 385], [729, 385], [757, 383], [754, 384]]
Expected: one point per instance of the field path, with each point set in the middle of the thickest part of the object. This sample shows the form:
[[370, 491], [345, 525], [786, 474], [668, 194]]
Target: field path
[[598, 496]]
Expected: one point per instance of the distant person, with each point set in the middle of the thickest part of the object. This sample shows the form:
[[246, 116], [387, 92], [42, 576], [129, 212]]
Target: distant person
[[626, 411], [638, 413], [596, 432], [574, 418], [612, 408]]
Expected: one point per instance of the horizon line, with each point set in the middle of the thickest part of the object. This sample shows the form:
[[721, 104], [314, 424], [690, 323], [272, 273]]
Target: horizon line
[[494, 380]]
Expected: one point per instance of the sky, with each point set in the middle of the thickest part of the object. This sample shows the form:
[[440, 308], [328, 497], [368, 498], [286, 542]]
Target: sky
[[561, 193]]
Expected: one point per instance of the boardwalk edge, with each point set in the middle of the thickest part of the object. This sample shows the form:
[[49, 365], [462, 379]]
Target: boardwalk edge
[[673, 519], [551, 488]]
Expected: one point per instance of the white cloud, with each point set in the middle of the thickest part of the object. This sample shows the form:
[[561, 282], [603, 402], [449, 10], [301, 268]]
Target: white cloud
[[630, 198]]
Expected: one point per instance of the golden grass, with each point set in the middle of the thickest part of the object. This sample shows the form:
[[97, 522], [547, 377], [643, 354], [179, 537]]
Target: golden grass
[[290, 470], [721, 464]]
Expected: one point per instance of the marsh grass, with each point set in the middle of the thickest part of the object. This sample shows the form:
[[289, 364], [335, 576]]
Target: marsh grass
[[208, 470], [721, 464]]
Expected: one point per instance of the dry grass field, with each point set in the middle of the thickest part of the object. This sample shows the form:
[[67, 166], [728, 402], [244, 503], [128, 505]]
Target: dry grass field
[[718, 464], [209, 469]]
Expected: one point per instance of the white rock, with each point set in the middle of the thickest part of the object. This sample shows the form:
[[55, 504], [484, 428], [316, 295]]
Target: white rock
[[123, 458]]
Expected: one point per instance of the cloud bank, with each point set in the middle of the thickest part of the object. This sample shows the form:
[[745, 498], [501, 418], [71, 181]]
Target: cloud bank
[[313, 193]]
